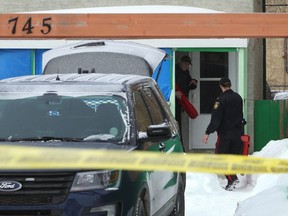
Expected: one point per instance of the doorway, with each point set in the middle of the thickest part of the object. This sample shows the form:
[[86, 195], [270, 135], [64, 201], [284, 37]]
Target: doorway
[[208, 67]]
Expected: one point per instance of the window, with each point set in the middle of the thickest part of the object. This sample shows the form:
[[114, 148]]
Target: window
[[209, 91], [147, 109], [153, 106], [141, 113], [213, 64]]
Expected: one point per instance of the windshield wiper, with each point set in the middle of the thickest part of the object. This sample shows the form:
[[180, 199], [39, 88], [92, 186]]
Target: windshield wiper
[[45, 139], [3, 140]]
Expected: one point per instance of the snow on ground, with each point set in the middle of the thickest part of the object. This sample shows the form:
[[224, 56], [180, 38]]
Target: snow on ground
[[205, 195]]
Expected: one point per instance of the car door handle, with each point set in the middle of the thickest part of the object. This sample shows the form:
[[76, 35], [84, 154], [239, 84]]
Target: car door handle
[[162, 146]]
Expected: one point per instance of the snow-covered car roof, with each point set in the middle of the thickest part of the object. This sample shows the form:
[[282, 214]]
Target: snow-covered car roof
[[94, 82]]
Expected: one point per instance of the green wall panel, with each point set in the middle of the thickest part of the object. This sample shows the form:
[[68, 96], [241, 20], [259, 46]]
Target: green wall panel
[[270, 121]]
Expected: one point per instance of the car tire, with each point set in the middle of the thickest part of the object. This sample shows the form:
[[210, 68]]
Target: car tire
[[140, 208], [179, 208]]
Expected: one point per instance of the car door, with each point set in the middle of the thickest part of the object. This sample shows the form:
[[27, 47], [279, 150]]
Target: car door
[[148, 111]]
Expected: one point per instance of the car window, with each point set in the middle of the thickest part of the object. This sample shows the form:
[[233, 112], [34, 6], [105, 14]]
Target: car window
[[87, 118], [142, 116], [153, 106], [147, 109]]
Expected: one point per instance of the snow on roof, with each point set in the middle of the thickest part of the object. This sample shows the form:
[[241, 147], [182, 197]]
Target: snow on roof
[[134, 9]]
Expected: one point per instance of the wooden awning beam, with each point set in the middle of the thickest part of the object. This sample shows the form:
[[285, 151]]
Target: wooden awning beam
[[143, 26]]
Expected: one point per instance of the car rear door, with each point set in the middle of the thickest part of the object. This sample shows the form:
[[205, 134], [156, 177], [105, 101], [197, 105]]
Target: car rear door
[[103, 56]]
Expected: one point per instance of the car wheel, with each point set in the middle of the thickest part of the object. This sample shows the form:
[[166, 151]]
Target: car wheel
[[140, 208], [179, 208]]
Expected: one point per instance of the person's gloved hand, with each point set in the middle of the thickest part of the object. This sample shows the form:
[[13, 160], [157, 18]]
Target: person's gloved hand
[[178, 94], [193, 84]]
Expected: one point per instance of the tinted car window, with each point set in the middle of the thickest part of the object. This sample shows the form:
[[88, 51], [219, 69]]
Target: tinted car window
[[147, 109], [142, 116], [83, 117], [153, 106]]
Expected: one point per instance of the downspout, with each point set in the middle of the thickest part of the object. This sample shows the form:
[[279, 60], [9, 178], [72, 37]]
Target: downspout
[[32, 62], [264, 57]]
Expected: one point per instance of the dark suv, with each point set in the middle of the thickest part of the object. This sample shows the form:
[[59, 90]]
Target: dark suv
[[97, 111]]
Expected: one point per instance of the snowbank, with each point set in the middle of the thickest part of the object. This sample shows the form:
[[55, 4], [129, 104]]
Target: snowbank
[[264, 194], [269, 196]]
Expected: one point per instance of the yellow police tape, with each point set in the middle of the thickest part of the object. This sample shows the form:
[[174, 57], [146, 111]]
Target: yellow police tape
[[33, 158]]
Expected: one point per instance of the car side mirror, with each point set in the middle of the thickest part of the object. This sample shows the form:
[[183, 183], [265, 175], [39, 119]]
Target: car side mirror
[[162, 130], [157, 133]]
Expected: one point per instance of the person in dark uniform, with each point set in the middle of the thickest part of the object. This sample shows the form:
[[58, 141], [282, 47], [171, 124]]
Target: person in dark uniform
[[185, 83], [227, 120]]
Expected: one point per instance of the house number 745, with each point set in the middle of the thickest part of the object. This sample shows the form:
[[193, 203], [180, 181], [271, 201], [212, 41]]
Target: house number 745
[[28, 26]]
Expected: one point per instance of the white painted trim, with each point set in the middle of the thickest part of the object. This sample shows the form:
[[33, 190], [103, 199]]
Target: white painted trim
[[196, 43], [163, 43], [32, 44]]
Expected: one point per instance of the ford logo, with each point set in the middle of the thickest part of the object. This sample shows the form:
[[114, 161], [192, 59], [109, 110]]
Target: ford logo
[[8, 186]]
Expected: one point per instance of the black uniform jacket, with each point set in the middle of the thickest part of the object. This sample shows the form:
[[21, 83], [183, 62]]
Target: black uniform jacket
[[227, 113], [183, 79]]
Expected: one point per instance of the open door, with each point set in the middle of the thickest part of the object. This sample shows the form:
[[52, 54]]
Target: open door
[[208, 67]]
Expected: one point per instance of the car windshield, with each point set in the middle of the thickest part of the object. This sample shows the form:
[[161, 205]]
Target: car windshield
[[50, 116]]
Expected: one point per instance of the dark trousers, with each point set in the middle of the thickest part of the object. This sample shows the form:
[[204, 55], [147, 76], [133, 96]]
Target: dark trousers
[[178, 117], [178, 113], [230, 143]]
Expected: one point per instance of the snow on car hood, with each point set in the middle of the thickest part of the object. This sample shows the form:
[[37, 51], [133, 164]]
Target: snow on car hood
[[103, 56]]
